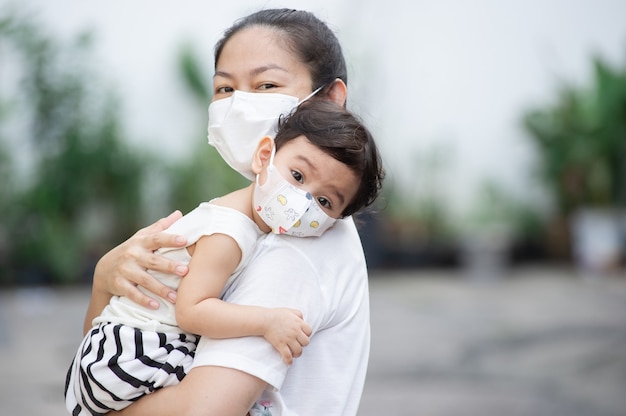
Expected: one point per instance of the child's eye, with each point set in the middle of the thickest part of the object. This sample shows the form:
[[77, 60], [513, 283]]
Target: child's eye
[[296, 175], [324, 202]]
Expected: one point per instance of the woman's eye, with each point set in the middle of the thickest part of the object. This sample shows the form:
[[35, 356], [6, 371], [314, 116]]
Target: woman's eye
[[296, 175], [224, 90], [324, 202], [266, 86]]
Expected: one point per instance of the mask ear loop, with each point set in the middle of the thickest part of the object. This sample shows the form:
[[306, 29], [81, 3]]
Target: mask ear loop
[[310, 95], [273, 153], [270, 165]]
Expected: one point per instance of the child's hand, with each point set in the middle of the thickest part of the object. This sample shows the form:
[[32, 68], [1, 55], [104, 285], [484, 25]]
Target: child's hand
[[287, 332]]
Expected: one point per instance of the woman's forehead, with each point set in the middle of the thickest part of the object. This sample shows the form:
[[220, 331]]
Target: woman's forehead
[[260, 53], [256, 43]]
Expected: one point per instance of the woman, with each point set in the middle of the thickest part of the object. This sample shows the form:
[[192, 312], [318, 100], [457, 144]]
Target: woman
[[292, 53]]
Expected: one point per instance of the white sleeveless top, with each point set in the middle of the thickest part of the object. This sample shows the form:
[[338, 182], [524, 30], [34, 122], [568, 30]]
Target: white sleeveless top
[[206, 219]]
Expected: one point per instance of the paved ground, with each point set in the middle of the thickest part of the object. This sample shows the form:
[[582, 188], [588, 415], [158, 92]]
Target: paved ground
[[535, 342]]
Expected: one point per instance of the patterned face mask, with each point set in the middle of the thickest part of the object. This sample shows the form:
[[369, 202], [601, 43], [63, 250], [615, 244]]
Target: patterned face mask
[[287, 209]]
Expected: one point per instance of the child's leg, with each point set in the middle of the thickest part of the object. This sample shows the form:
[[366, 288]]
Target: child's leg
[[117, 364]]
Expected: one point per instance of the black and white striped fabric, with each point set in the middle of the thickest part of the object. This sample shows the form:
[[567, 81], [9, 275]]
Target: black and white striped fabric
[[118, 364]]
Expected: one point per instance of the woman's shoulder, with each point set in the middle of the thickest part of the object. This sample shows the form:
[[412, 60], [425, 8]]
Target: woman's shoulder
[[336, 257], [341, 238]]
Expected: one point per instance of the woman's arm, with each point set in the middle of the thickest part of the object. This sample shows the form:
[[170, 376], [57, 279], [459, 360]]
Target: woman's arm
[[200, 311], [205, 391], [120, 270]]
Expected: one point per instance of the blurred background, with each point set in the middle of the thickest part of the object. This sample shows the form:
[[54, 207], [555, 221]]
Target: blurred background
[[497, 253]]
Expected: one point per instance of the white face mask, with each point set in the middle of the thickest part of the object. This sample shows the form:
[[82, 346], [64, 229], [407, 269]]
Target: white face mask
[[237, 124], [286, 209]]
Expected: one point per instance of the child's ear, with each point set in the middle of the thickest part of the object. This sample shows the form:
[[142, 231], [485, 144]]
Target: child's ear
[[262, 154]]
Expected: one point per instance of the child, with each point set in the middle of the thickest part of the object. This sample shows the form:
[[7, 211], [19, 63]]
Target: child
[[322, 165]]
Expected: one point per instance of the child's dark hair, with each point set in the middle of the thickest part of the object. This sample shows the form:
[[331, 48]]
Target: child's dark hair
[[340, 134]]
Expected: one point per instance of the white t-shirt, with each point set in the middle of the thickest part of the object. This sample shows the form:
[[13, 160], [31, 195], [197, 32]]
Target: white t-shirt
[[206, 219], [325, 278]]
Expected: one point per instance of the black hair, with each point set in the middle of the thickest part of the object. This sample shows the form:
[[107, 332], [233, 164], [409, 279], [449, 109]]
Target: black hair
[[340, 134], [312, 41]]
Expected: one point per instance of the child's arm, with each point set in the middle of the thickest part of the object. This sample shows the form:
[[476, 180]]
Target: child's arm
[[200, 311]]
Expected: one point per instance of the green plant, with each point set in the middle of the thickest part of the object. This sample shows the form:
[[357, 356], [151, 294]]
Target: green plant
[[86, 190], [496, 211], [581, 140], [204, 175], [83, 191], [418, 211]]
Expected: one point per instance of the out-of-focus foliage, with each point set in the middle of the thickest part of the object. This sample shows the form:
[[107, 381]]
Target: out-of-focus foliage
[[83, 191], [497, 212], [420, 211], [581, 140], [204, 175], [194, 75], [411, 225], [86, 190]]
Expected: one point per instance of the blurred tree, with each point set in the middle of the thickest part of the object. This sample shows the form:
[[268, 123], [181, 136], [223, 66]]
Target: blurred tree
[[415, 228], [84, 189], [420, 212], [582, 141], [6, 195]]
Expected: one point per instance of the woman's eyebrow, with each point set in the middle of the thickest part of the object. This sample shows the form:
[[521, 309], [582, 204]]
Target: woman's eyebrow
[[265, 68], [222, 74], [253, 72]]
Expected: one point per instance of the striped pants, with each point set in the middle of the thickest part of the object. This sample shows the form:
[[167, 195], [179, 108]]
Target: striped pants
[[116, 365]]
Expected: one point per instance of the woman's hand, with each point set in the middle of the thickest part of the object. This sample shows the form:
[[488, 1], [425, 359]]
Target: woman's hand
[[122, 269], [287, 332]]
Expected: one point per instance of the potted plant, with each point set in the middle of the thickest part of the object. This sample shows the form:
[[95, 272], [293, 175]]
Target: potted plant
[[581, 139]]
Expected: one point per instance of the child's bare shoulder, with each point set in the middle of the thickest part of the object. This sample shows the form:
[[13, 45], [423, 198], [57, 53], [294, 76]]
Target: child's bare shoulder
[[239, 200]]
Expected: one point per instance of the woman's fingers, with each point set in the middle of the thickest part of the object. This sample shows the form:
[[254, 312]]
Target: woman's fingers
[[153, 261], [160, 225], [157, 240], [132, 292], [136, 267], [127, 265]]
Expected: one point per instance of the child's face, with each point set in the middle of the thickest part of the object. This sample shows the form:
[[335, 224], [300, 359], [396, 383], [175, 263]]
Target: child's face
[[332, 184]]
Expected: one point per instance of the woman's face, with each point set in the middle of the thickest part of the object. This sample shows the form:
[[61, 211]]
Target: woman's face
[[255, 60]]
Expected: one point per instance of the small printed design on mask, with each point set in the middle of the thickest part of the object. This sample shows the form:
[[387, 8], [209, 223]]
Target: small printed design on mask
[[297, 232], [261, 408], [287, 209], [269, 212], [291, 214], [312, 224]]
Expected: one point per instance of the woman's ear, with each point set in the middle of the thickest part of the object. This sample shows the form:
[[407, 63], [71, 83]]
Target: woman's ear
[[338, 92], [262, 154]]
